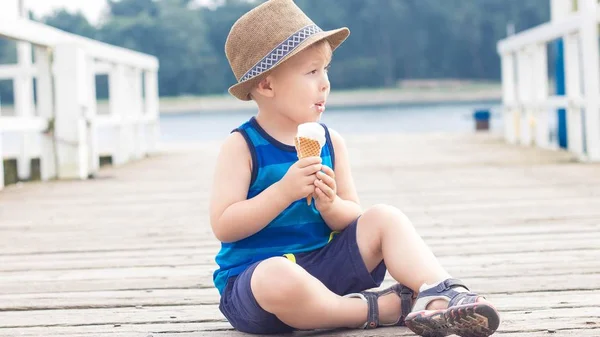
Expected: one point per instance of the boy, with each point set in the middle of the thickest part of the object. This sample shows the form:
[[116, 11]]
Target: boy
[[284, 264]]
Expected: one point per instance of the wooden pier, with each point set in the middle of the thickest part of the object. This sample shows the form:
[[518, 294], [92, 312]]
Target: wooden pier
[[131, 253]]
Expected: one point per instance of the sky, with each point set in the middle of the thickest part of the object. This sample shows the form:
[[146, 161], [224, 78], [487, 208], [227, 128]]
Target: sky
[[92, 9]]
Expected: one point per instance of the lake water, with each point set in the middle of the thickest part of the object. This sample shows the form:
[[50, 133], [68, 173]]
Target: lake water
[[406, 118]]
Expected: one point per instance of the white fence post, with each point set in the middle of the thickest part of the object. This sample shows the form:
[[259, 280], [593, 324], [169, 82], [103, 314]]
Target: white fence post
[[573, 93], [135, 78], [70, 125], [91, 113], [117, 81], [152, 109], [511, 117], [24, 106], [540, 95], [45, 107], [1, 165], [524, 83], [591, 82]]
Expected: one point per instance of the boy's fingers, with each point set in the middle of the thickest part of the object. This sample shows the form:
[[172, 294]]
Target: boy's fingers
[[318, 193], [327, 191], [310, 179], [328, 171], [305, 162], [328, 180], [312, 169]]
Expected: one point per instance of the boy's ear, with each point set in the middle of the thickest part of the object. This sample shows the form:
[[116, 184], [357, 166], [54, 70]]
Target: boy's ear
[[264, 87]]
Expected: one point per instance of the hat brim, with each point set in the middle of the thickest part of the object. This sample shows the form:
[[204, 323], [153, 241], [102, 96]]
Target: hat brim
[[335, 37]]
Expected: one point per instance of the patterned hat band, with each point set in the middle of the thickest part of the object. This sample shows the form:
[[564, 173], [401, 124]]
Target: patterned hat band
[[279, 52]]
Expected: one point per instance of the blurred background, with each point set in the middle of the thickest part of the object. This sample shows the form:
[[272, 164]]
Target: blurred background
[[414, 65]]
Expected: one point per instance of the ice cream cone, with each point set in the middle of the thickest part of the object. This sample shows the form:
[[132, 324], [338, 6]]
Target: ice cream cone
[[309, 141], [307, 147]]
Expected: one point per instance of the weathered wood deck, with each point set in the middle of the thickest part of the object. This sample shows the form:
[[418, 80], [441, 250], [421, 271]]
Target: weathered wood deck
[[131, 252]]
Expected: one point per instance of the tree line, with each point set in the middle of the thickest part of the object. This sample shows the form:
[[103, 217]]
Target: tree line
[[390, 40]]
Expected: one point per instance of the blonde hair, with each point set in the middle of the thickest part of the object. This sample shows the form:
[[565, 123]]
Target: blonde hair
[[324, 48]]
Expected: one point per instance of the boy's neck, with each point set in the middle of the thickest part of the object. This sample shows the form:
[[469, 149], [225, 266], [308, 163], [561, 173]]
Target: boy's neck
[[277, 125]]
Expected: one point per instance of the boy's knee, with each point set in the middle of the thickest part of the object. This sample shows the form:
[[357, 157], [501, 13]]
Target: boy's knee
[[386, 215], [275, 280]]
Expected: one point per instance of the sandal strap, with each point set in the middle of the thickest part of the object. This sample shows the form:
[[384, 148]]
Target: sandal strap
[[463, 298], [373, 308], [373, 311], [406, 296], [449, 284], [406, 302], [443, 291]]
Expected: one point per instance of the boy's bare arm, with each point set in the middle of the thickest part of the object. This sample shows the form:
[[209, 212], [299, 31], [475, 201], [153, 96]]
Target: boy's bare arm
[[346, 206], [232, 216]]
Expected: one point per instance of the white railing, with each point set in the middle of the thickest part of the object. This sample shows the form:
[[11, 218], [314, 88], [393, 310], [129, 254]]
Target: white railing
[[65, 130], [527, 102]]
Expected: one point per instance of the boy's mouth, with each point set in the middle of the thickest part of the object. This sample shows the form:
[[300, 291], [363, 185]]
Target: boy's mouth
[[320, 106]]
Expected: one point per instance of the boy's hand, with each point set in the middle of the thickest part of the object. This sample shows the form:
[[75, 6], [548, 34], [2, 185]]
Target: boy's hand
[[299, 181], [325, 189]]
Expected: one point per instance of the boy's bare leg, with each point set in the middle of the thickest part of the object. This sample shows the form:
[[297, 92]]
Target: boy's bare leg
[[384, 232], [301, 301]]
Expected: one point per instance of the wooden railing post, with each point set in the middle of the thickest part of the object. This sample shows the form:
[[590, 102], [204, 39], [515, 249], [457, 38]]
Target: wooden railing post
[[511, 114], [118, 95], [24, 106], [70, 126], [1, 164], [540, 95], [591, 82], [524, 84], [91, 113], [573, 92], [45, 105], [152, 130], [135, 80]]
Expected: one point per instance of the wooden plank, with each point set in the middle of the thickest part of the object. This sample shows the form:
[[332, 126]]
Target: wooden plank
[[495, 265], [463, 266], [522, 243], [121, 255], [198, 279], [382, 332], [209, 296], [109, 319]]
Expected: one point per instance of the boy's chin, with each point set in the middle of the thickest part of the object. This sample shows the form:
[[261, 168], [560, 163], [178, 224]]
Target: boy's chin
[[312, 119]]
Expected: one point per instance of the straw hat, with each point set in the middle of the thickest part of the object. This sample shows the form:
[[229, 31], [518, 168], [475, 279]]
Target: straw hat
[[268, 35]]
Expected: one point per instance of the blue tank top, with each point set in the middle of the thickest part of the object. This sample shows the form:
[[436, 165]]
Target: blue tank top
[[299, 228]]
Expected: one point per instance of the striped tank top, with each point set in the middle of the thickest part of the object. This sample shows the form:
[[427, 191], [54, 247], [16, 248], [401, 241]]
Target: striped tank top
[[299, 228]]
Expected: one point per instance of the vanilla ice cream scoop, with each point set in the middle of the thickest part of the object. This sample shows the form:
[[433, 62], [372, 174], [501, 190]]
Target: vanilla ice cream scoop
[[309, 141], [312, 130]]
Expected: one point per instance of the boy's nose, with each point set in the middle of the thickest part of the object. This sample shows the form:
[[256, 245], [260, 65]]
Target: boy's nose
[[325, 84]]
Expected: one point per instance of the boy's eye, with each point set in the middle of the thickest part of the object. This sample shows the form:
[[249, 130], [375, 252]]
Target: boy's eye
[[326, 69]]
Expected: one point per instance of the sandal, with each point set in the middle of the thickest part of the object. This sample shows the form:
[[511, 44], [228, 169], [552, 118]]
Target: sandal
[[406, 301], [464, 316]]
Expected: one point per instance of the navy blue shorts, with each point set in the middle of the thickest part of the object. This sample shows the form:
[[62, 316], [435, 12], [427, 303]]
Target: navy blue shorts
[[338, 266]]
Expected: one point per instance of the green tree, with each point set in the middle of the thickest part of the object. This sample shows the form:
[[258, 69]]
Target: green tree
[[75, 23], [391, 39], [174, 33]]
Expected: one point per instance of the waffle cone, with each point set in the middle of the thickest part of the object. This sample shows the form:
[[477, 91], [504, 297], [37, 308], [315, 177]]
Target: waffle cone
[[307, 147]]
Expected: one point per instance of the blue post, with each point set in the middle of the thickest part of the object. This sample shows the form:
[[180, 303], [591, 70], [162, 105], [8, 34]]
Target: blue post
[[560, 91]]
